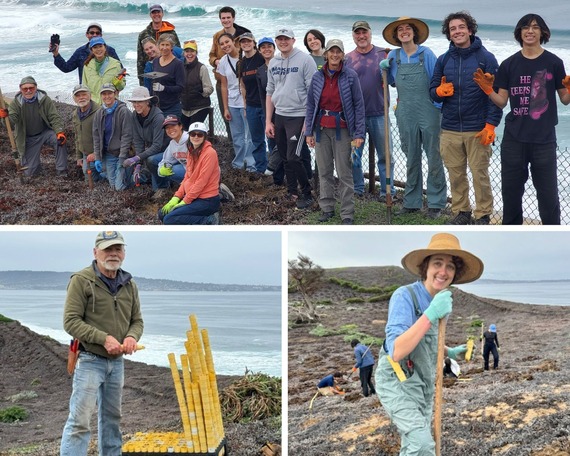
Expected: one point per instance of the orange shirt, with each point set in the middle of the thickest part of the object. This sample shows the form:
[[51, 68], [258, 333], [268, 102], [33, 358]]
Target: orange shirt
[[202, 178]]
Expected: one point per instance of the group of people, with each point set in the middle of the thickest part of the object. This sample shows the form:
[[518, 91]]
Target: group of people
[[276, 105]]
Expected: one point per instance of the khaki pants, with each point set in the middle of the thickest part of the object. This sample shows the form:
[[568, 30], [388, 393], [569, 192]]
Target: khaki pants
[[457, 151]]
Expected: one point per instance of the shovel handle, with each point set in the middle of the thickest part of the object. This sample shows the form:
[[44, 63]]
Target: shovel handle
[[439, 385]]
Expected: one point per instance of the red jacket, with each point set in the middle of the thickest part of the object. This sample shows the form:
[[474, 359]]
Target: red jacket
[[202, 176]]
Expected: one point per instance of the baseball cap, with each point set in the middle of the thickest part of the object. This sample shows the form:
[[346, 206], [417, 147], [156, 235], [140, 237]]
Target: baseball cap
[[360, 25], [171, 120], [81, 88], [246, 36], [266, 39], [106, 239], [95, 24], [107, 87], [95, 41], [285, 32], [155, 7], [190, 44], [334, 43]]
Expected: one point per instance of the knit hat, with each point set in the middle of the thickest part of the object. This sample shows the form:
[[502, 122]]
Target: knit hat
[[447, 244], [28, 80]]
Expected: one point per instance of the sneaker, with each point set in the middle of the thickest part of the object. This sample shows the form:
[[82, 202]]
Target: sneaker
[[347, 221], [433, 213], [62, 173], [225, 193], [213, 219], [463, 218], [325, 216], [407, 210], [395, 198], [485, 220], [268, 172], [305, 202]]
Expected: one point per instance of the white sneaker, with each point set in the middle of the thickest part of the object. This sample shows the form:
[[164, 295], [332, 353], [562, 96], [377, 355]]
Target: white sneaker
[[225, 193], [268, 172]]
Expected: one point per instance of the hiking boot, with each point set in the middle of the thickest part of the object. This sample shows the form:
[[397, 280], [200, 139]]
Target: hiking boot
[[291, 198], [325, 216], [485, 220], [433, 213], [463, 218], [407, 210], [160, 194], [225, 193], [347, 221], [61, 173], [305, 202]]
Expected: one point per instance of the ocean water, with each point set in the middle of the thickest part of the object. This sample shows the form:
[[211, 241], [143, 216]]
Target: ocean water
[[244, 328], [122, 20], [550, 293]]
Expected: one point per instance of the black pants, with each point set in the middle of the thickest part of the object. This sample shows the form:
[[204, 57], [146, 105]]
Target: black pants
[[287, 135], [487, 349], [366, 380]]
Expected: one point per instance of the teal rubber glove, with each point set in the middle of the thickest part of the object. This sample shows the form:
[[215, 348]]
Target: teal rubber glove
[[170, 205], [165, 171], [455, 351], [439, 307], [180, 204], [385, 64]]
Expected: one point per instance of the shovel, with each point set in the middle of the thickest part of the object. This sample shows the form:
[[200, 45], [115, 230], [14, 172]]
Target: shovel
[[387, 147], [19, 169]]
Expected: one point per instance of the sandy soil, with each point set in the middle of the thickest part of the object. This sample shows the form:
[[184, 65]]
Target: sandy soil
[[519, 409], [30, 362]]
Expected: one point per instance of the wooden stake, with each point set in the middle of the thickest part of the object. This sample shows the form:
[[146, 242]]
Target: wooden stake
[[439, 385], [387, 147]]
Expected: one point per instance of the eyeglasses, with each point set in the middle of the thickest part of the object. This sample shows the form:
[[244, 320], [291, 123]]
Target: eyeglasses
[[28, 89], [197, 134], [91, 32]]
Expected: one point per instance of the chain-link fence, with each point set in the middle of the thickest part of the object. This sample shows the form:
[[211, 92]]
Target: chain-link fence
[[530, 205]]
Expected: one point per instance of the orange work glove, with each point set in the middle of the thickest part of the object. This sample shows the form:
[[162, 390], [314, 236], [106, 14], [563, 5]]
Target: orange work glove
[[565, 83], [3, 113], [354, 369], [61, 139], [484, 80], [445, 89], [487, 135]]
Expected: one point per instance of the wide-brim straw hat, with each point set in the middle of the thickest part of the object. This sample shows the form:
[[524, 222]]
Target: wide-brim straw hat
[[447, 244], [388, 32]]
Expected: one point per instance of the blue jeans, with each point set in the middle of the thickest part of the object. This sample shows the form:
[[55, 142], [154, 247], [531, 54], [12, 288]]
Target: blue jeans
[[152, 165], [256, 123], [97, 177], [97, 382], [194, 213], [115, 172], [376, 132], [179, 171], [242, 141]]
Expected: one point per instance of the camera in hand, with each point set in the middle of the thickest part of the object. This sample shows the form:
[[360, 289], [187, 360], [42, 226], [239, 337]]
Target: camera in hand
[[54, 40]]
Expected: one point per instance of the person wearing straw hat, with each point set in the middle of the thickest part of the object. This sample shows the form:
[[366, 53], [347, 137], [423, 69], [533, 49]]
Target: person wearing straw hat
[[410, 69], [407, 362], [491, 346]]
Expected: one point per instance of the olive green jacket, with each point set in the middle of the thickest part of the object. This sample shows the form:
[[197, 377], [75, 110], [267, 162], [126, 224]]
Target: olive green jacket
[[84, 131], [91, 312]]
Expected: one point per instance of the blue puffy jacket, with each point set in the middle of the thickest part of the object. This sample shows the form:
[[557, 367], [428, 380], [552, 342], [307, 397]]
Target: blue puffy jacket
[[468, 109], [350, 97]]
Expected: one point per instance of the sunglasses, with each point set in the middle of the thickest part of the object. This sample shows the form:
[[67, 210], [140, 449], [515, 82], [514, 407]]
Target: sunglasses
[[28, 89], [197, 133], [94, 33]]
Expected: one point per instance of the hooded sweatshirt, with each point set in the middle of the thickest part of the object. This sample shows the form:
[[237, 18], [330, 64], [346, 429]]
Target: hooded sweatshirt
[[176, 152], [288, 81], [92, 312], [148, 138]]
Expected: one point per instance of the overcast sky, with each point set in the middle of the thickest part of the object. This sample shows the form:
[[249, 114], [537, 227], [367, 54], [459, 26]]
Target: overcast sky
[[516, 255], [228, 257]]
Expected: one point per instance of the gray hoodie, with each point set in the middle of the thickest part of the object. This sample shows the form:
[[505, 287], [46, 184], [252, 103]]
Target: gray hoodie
[[288, 80]]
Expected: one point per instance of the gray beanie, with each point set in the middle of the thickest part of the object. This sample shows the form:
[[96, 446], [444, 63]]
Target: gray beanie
[[28, 80]]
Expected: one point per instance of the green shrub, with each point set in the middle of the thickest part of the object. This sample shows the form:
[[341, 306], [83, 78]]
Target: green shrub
[[22, 396], [321, 331], [477, 323], [12, 414], [4, 319], [324, 302], [353, 300]]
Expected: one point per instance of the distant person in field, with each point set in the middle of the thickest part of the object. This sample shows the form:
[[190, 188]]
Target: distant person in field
[[491, 346], [365, 363], [329, 384], [405, 376]]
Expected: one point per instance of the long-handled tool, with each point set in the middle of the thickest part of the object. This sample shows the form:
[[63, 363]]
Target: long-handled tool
[[19, 169], [387, 147], [439, 385]]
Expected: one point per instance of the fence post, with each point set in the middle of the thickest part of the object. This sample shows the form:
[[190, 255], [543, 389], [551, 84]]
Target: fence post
[[211, 121], [371, 165]]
